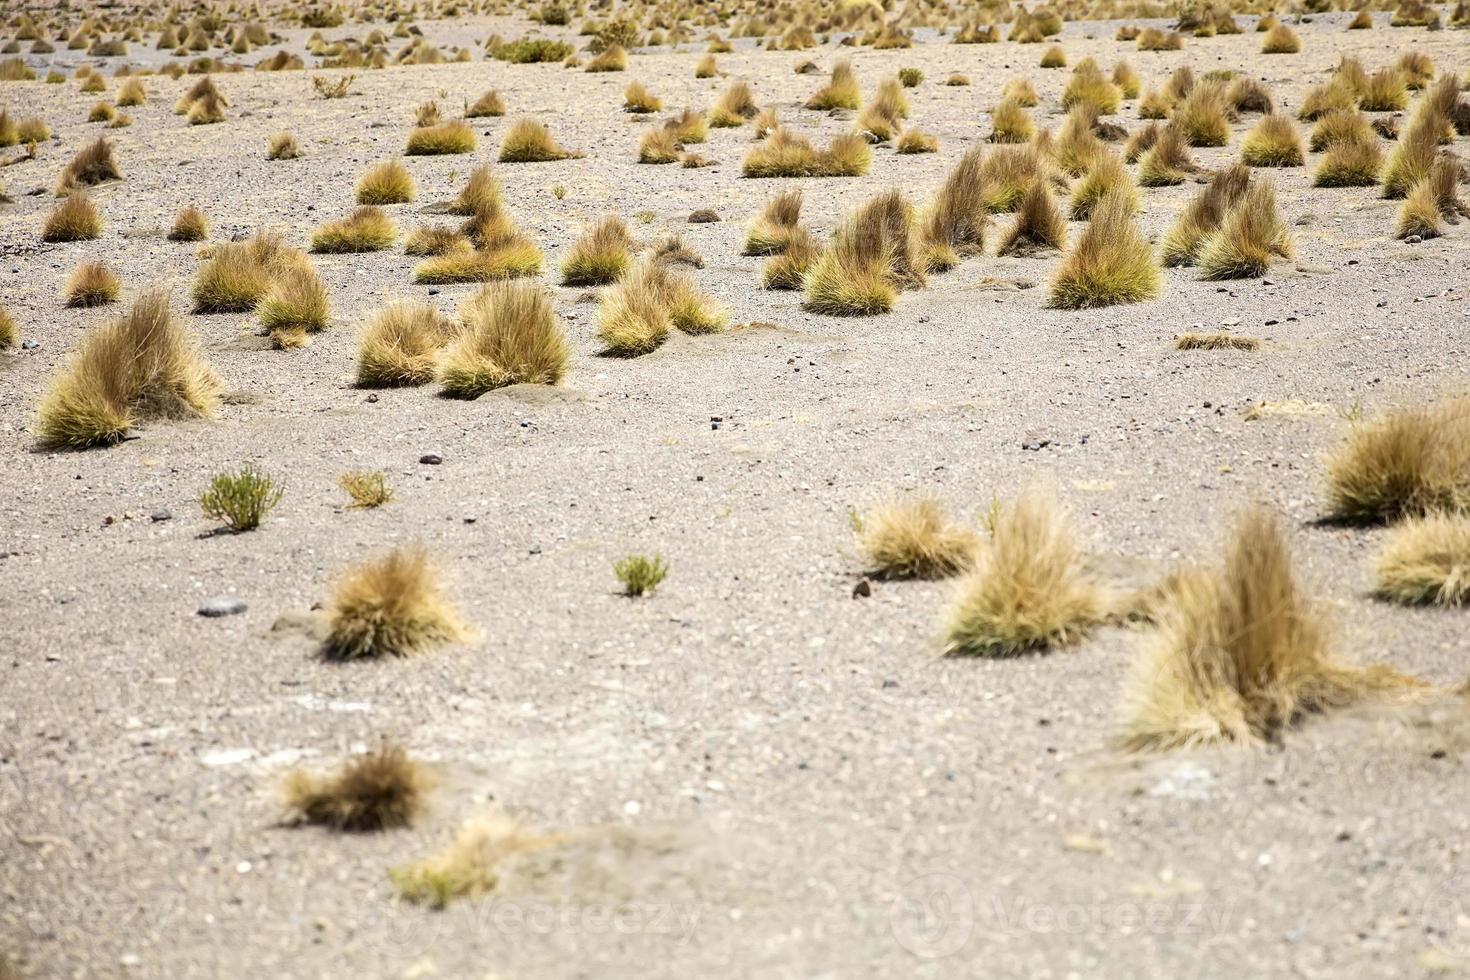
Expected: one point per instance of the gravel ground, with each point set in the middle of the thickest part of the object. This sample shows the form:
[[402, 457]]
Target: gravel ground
[[777, 779]]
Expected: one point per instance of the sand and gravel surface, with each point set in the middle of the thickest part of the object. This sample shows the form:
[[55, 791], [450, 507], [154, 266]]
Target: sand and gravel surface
[[772, 777]]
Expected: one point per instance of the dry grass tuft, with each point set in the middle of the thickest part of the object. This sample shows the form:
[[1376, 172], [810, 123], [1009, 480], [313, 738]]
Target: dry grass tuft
[[1384, 91], [74, 220], [638, 100], [1426, 560], [381, 790], [480, 193], [1202, 117], [637, 314], [914, 141], [658, 145], [600, 256], [1252, 232], [770, 233], [236, 275], [1216, 341], [914, 539], [957, 217], [614, 58], [786, 154], [509, 336], [1039, 226], [1274, 142], [139, 367], [1204, 214], [92, 284], [1028, 590], [295, 306], [390, 607], [1107, 175], [1241, 654], [788, 268], [367, 488], [282, 146], [470, 866], [401, 345], [1341, 126], [1419, 217], [529, 141], [132, 93], [1011, 123], [388, 182], [1110, 264], [1349, 164], [734, 107], [440, 139], [1167, 162], [1280, 40], [871, 257], [490, 104], [840, 92], [93, 164], [9, 330], [1404, 462], [436, 240], [367, 229], [190, 225]]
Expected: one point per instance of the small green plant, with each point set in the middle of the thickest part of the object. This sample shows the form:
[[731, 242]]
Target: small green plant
[[558, 192], [646, 217], [367, 488], [910, 77], [241, 499], [640, 574]]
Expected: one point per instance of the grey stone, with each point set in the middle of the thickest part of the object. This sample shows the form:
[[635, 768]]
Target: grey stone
[[222, 605]]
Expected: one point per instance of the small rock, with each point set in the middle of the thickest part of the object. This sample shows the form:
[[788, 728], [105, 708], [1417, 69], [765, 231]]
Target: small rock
[[1187, 781], [29, 344], [161, 514], [1413, 240], [431, 459], [222, 605], [372, 399], [703, 216], [863, 589]]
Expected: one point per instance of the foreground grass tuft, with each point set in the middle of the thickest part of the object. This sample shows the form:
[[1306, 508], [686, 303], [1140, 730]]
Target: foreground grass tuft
[[1426, 560], [1110, 264], [510, 336], [401, 345], [915, 539], [1403, 462], [380, 790], [390, 607], [640, 574], [241, 499]]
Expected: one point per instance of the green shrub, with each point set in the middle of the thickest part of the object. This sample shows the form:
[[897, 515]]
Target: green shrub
[[640, 574], [241, 499], [529, 50], [367, 488], [910, 77]]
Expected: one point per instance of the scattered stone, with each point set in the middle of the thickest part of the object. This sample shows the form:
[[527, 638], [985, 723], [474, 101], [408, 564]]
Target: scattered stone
[[1413, 240], [222, 605], [1035, 442], [161, 514], [863, 589], [431, 459], [1187, 781], [29, 344]]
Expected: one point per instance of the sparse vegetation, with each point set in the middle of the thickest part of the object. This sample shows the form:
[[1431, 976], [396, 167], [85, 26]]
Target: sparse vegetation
[[242, 498], [915, 539], [380, 790], [640, 574], [509, 336], [1403, 462], [367, 488]]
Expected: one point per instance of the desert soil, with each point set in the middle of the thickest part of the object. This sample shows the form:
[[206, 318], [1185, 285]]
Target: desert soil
[[775, 778]]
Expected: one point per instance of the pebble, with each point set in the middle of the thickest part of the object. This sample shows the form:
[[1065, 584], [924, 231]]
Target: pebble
[[161, 514], [29, 344], [863, 589], [431, 459], [222, 605]]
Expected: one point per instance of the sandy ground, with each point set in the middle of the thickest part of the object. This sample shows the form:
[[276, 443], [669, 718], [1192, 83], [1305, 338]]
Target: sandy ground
[[780, 779]]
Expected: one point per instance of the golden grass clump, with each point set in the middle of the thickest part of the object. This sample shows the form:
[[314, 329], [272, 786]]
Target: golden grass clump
[[1204, 214], [658, 145], [1384, 91], [1008, 173], [295, 306], [529, 141], [1341, 126], [1029, 589], [190, 225], [207, 110], [1167, 162], [92, 284], [707, 67], [388, 182], [637, 314], [1335, 96], [75, 219], [480, 193], [914, 539], [1039, 227], [509, 336], [390, 607], [1107, 175], [1403, 462], [1280, 40], [1110, 264], [380, 790], [638, 99], [734, 107], [9, 330], [471, 865], [841, 90], [958, 215], [491, 104], [912, 140], [1426, 561], [1274, 142], [871, 257], [600, 256], [612, 58], [1053, 57], [102, 112], [435, 240], [1350, 163], [282, 146], [787, 269], [1201, 117], [501, 252], [441, 138], [884, 113], [1011, 123], [400, 346], [787, 154], [1241, 654], [140, 367], [235, 275], [1089, 86], [1412, 159], [1252, 232], [1127, 80], [367, 229], [1153, 39], [1216, 341], [1362, 20], [1078, 145], [1419, 216], [132, 93], [772, 230], [93, 164]]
